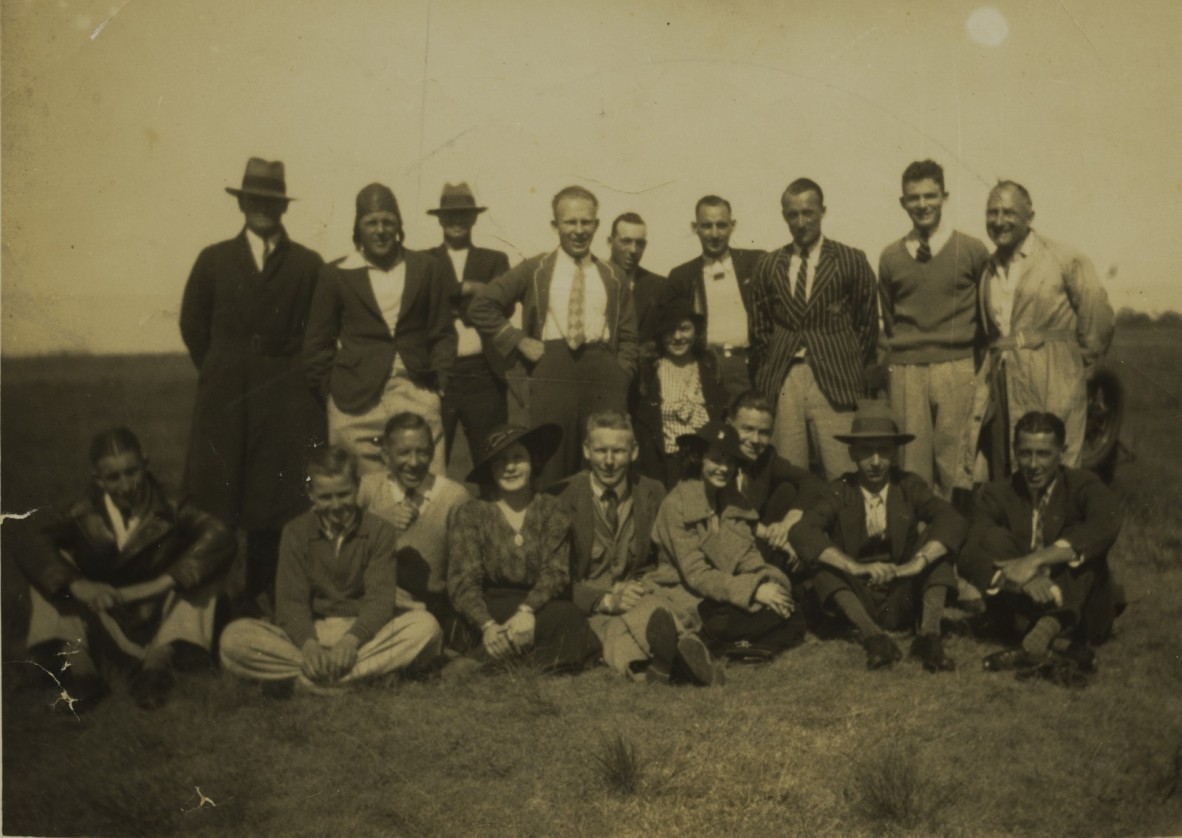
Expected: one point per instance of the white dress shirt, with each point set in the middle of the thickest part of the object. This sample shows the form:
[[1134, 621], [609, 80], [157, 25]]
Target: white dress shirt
[[875, 503], [260, 246], [594, 300], [1003, 281], [387, 285], [724, 305]]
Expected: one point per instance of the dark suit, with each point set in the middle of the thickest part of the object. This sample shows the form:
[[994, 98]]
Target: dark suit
[[840, 521], [686, 281], [774, 486], [476, 394], [1081, 511], [838, 329], [648, 290], [565, 386], [345, 310], [254, 418]]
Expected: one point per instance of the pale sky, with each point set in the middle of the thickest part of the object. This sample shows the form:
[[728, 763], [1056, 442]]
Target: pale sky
[[122, 123]]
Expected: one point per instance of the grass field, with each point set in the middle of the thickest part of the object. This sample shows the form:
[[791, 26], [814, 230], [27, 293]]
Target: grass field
[[811, 744]]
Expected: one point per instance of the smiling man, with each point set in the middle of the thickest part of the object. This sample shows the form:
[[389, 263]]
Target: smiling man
[[718, 286], [380, 337], [1038, 547], [1048, 321], [814, 331], [576, 351], [928, 286], [420, 506]]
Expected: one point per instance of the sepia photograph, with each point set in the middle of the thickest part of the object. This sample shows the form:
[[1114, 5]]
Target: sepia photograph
[[442, 418]]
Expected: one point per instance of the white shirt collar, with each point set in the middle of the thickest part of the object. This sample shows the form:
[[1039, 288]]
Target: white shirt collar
[[122, 530], [585, 262], [597, 488], [357, 259], [881, 494], [814, 250], [936, 240], [424, 491], [724, 261]]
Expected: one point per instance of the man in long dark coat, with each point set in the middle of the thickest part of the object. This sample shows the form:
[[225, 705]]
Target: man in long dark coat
[[242, 318]]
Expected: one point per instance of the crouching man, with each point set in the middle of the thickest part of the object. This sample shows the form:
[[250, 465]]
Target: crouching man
[[127, 570], [613, 510], [874, 566], [335, 616], [1038, 546]]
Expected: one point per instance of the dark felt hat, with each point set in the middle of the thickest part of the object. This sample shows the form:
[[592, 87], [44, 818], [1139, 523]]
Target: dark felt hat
[[376, 197], [673, 314], [541, 442], [456, 198], [263, 179], [874, 420], [718, 433]]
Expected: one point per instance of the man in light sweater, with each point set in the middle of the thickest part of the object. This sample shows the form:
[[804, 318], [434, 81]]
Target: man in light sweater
[[928, 286], [420, 505]]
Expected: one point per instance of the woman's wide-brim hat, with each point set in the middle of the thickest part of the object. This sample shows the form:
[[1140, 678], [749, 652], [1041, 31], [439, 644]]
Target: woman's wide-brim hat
[[263, 179], [874, 420], [456, 198], [673, 314], [541, 442], [717, 433]]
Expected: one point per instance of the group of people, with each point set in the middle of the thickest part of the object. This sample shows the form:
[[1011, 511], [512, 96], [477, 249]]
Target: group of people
[[642, 447]]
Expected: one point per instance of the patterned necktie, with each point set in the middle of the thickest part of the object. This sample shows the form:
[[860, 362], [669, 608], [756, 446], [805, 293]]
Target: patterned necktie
[[611, 509], [1037, 538], [802, 277], [574, 311], [924, 254]]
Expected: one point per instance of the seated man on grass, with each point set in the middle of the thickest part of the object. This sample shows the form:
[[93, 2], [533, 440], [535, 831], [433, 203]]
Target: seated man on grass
[[612, 512], [874, 567], [419, 505], [1038, 547], [125, 570], [335, 616]]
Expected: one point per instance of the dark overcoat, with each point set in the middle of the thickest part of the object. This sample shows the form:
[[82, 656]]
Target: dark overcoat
[[254, 418]]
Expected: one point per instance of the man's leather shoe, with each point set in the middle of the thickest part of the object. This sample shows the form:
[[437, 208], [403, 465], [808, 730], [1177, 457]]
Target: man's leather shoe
[[696, 659], [661, 634], [881, 651], [929, 648], [1008, 659]]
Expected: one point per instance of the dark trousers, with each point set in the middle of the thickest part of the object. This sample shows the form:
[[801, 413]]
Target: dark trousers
[[895, 606], [458, 634], [563, 640], [732, 369], [723, 623], [565, 388], [475, 398], [262, 558]]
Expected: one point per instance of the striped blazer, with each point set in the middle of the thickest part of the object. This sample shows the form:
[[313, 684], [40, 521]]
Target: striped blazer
[[838, 326]]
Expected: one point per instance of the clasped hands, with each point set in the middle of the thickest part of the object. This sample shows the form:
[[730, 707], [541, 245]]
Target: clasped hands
[[776, 597], [99, 596], [1029, 576], [328, 664], [512, 637], [622, 598]]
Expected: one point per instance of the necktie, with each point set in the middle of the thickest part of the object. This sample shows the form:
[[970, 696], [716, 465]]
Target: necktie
[[266, 252], [800, 294], [611, 509], [924, 254], [1037, 539], [574, 311]]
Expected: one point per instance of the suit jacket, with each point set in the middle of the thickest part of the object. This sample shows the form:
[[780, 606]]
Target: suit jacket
[[774, 486], [483, 266], [686, 281], [838, 325], [576, 495], [529, 285], [648, 290], [349, 350], [173, 538], [840, 520], [1082, 511], [243, 328]]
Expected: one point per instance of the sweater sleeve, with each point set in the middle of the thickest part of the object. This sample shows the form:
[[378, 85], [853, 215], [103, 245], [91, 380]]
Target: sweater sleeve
[[293, 589]]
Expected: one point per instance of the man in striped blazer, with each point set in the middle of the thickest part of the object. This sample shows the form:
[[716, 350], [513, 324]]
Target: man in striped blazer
[[814, 327]]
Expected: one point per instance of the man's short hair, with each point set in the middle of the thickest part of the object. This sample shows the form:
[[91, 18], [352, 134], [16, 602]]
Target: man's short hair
[[612, 420], [1041, 422], [573, 193], [332, 461], [408, 421], [1017, 187], [113, 442], [627, 218], [802, 185], [924, 170], [751, 400], [712, 201]]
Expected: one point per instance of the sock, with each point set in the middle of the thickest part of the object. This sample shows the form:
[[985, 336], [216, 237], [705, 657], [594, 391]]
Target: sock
[[933, 610], [852, 609], [1038, 640]]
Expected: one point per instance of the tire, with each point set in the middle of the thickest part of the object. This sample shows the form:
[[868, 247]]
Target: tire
[[1106, 407]]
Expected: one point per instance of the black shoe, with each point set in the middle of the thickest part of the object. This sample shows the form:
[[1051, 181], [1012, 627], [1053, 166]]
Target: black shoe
[[1008, 659], [151, 686], [881, 651], [695, 657], [929, 648], [1058, 669], [661, 634], [1082, 655]]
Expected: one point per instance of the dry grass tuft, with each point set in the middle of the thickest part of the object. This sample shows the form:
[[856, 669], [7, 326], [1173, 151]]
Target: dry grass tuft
[[891, 786], [618, 765]]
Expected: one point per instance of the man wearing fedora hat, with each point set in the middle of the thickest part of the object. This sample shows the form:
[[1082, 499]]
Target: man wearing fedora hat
[[576, 351], [242, 319], [873, 564], [380, 337], [476, 398]]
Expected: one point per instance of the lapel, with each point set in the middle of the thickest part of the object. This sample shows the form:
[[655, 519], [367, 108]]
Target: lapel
[[899, 519], [413, 284], [698, 288], [783, 285], [155, 526], [825, 273], [543, 275], [357, 280], [1056, 514], [1025, 292], [585, 513], [852, 519], [444, 261]]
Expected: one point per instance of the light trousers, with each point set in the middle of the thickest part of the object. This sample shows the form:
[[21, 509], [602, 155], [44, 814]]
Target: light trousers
[[263, 651], [934, 402], [623, 636], [801, 409]]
